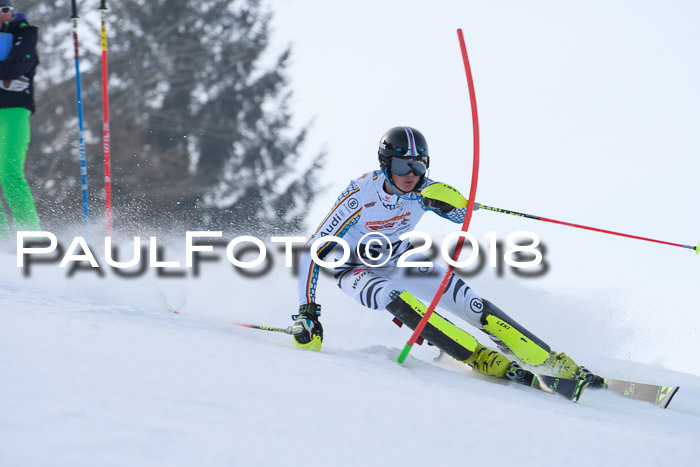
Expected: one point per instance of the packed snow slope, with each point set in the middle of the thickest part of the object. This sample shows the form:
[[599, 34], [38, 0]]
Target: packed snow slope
[[96, 371]]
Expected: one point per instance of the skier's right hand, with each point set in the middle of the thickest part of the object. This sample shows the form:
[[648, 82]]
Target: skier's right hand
[[307, 330]]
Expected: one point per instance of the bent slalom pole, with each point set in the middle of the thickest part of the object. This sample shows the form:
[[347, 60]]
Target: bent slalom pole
[[696, 249], [467, 215]]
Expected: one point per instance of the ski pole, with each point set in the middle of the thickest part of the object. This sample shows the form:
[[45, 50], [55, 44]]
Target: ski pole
[[578, 226], [287, 330], [470, 205], [105, 121], [83, 157]]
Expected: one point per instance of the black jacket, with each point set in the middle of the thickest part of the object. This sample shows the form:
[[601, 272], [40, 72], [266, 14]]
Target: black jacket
[[21, 61]]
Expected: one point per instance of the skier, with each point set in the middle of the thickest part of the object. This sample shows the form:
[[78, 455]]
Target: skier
[[18, 62], [391, 201]]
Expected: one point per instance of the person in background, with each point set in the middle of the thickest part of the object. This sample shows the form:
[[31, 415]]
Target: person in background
[[18, 62]]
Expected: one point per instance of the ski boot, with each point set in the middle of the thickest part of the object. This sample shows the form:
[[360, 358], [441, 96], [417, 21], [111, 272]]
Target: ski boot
[[562, 366], [489, 362], [559, 365], [517, 373]]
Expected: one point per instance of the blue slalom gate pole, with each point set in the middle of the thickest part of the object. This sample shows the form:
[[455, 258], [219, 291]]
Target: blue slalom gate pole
[[83, 156]]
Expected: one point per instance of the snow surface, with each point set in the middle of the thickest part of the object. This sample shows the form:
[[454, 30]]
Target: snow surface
[[98, 372], [581, 127]]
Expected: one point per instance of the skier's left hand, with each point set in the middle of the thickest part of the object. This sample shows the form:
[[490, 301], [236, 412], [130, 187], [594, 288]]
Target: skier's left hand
[[442, 197]]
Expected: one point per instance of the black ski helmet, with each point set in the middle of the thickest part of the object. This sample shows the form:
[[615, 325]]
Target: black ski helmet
[[403, 142]]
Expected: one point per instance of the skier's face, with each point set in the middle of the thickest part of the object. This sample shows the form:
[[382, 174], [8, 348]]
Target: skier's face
[[405, 183], [5, 13]]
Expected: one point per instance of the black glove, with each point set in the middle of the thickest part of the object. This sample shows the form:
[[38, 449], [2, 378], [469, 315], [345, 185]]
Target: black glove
[[443, 198], [438, 205], [307, 330]]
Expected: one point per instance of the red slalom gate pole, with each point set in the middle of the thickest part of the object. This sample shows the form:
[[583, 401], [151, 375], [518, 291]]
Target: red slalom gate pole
[[470, 205], [105, 121]]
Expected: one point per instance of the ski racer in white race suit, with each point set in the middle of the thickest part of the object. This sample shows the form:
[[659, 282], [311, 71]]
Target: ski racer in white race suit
[[391, 201]]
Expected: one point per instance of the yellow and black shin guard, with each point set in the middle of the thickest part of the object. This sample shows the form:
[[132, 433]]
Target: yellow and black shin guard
[[526, 346], [452, 340]]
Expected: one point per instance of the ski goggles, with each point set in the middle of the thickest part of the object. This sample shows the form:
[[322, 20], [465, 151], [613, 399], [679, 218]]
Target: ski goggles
[[405, 165], [6, 9]]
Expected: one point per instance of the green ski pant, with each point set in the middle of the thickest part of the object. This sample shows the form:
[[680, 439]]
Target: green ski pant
[[14, 141]]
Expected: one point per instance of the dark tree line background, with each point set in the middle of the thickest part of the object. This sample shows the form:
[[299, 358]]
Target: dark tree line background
[[201, 132]]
